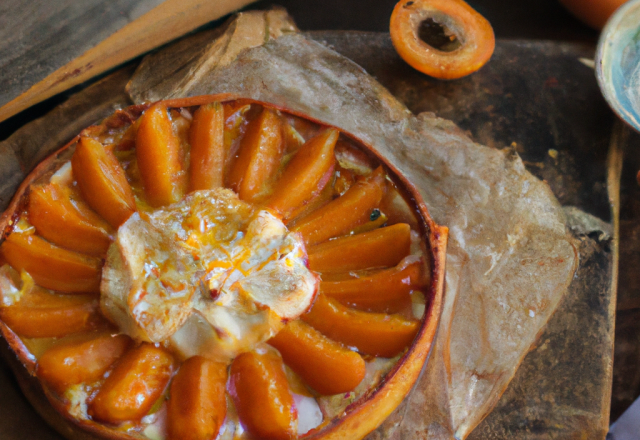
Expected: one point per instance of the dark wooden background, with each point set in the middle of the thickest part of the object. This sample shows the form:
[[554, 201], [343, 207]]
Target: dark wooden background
[[537, 20]]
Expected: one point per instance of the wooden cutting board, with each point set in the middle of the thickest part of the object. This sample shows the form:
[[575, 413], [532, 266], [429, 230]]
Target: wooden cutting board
[[542, 100]]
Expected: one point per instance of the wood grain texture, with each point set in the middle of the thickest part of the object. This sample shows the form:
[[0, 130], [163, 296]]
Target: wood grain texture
[[48, 47]]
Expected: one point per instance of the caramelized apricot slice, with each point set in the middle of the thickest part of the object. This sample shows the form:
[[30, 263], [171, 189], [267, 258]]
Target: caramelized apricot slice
[[306, 175], [51, 266], [67, 222], [383, 247], [376, 291], [208, 152], [197, 404], [134, 385], [159, 158], [344, 213], [102, 181], [259, 158], [376, 334], [325, 365], [259, 388], [48, 315], [77, 362]]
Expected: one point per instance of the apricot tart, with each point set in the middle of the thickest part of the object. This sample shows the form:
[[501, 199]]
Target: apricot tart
[[216, 267]]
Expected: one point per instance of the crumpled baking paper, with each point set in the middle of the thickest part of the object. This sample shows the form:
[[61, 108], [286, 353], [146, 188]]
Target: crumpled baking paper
[[510, 258]]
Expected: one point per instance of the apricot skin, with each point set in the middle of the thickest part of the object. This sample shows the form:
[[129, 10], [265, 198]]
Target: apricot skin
[[80, 362], [134, 385], [197, 404], [260, 391], [325, 365]]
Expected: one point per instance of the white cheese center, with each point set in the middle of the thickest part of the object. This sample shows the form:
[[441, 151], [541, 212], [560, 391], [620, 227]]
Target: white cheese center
[[209, 276]]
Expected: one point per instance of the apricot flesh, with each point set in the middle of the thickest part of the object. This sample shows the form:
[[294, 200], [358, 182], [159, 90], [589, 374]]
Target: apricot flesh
[[102, 181], [325, 365], [73, 363], [376, 291], [46, 315], [260, 391], [134, 385], [208, 152], [306, 175], [259, 158], [376, 334], [159, 158], [66, 223], [51, 266], [346, 212], [383, 247], [197, 404]]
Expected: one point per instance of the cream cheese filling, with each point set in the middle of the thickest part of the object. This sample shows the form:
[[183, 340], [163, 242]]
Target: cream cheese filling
[[210, 275]]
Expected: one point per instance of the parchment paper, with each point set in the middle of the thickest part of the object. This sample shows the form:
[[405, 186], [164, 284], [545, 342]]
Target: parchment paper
[[510, 258]]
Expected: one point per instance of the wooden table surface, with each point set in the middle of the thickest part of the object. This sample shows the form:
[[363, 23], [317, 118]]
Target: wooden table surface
[[546, 20]]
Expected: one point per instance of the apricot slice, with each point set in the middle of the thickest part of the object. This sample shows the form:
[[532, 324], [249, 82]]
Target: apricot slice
[[376, 334], [325, 365], [134, 385], [78, 362], [208, 152], [197, 404], [344, 213], [102, 181], [375, 291], [46, 315], [159, 158], [383, 247], [259, 158], [306, 175], [465, 26], [259, 388], [67, 222], [51, 266]]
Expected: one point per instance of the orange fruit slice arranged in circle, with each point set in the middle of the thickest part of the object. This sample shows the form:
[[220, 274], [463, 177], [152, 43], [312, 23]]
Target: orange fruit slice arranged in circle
[[217, 265]]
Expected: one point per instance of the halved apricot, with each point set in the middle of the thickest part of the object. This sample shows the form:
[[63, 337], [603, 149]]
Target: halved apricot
[[197, 403], [344, 213], [83, 361], [306, 175], [376, 334], [259, 388], [259, 158], [159, 157], [102, 181], [41, 314], [67, 222], [134, 385], [383, 247], [325, 365], [376, 291], [51, 266], [208, 152]]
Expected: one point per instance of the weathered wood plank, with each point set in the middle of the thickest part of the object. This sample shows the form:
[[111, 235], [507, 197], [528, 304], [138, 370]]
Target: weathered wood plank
[[48, 46]]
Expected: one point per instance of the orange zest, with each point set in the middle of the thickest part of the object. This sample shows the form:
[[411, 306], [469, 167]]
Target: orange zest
[[463, 23]]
